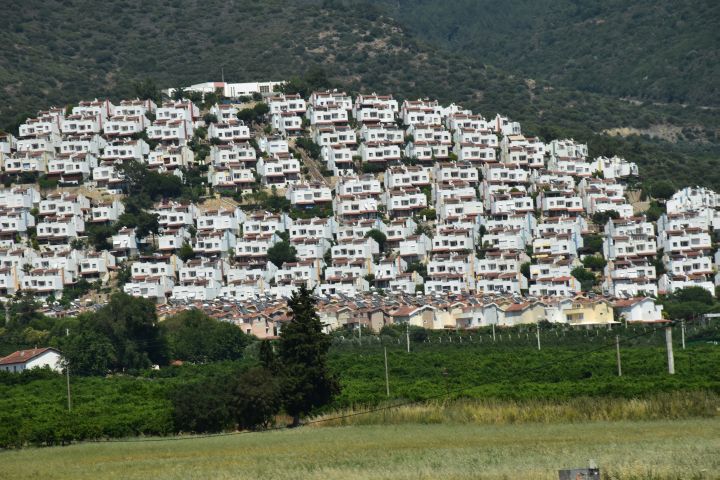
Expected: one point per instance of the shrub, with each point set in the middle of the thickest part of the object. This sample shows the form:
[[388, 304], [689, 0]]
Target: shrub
[[257, 399]]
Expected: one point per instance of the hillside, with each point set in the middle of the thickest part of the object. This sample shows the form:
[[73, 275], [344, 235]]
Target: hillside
[[661, 50], [119, 44]]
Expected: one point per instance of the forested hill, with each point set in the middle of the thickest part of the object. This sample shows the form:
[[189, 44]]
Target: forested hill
[[61, 51], [666, 50]]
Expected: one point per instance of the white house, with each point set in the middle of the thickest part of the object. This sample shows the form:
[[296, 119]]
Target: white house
[[374, 108], [304, 195], [339, 160], [169, 157], [22, 360], [124, 125], [379, 153], [639, 309], [328, 114], [226, 154], [381, 133], [230, 131], [176, 131], [178, 110], [287, 104], [407, 176]]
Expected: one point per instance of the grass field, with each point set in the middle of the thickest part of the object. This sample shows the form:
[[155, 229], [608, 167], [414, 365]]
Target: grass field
[[654, 450]]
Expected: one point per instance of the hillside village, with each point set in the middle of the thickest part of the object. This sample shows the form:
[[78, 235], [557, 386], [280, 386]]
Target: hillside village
[[389, 211]]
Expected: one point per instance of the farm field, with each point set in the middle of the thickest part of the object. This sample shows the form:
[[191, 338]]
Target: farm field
[[503, 383], [624, 450]]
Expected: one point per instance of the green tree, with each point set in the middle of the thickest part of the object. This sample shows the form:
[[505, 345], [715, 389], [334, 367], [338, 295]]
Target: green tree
[[601, 218], [302, 352], [143, 183], [257, 399], [418, 267], [99, 235], [429, 213], [186, 252], [592, 244], [195, 337], [685, 310], [246, 115], [228, 400], [124, 275], [255, 114], [147, 89], [282, 252], [654, 211], [594, 262], [88, 351], [260, 110], [307, 144], [662, 189], [586, 278], [379, 237], [131, 325], [525, 269], [266, 355], [205, 406], [144, 223], [693, 294], [178, 93]]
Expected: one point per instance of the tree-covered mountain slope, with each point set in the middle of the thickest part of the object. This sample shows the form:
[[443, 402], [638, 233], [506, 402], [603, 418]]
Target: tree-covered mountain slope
[[665, 50], [60, 51]]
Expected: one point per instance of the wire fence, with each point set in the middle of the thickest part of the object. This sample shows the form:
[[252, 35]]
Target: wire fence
[[551, 335]]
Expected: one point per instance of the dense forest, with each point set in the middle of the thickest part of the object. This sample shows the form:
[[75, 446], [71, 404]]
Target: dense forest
[[114, 47], [661, 50]]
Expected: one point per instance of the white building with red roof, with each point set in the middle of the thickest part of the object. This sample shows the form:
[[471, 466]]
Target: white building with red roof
[[23, 360]]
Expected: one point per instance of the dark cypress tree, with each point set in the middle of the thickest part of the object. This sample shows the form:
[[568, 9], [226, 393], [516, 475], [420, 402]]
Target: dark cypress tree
[[267, 356], [302, 354]]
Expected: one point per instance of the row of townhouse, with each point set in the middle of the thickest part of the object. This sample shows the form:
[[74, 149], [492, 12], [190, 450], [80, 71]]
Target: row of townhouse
[[265, 317]]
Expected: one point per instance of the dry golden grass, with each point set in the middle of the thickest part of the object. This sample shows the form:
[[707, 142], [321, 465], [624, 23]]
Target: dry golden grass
[[664, 406], [654, 450]]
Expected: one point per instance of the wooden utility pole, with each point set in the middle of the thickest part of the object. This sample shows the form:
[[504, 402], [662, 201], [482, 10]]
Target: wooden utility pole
[[493, 325], [669, 346], [387, 378], [617, 355], [538, 335]]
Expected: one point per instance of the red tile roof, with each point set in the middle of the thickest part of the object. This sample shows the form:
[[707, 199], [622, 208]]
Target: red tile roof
[[22, 356]]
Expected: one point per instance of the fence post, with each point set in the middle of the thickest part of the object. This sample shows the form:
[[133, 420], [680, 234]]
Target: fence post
[[617, 354]]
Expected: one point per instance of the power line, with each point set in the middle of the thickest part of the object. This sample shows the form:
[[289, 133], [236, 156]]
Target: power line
[[381, 408]]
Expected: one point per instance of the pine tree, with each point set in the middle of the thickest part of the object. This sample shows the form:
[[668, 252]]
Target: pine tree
[[302, 353]]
